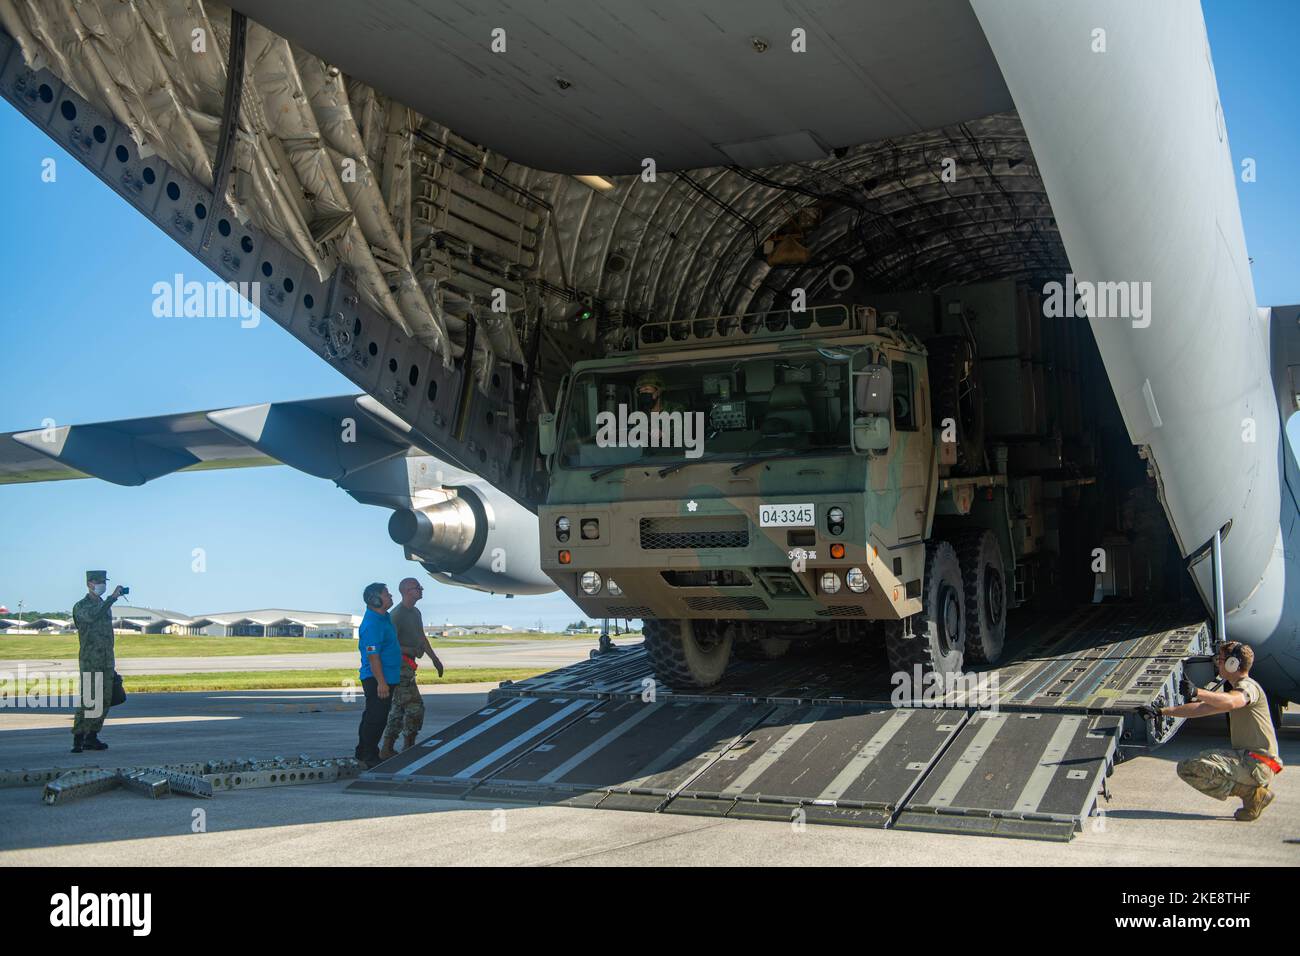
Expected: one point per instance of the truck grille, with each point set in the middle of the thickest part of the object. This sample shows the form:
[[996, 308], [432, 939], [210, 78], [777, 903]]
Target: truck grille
[[719, 578], [726, 604], [843, 610], [710, 531], [629, 611]]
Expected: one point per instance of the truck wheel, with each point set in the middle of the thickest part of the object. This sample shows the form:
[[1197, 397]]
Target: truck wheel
[[766, 649], [687, 654], [938, 641], [985, 584]]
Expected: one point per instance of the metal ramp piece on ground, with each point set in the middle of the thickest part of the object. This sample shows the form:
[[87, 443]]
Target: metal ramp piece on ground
[[1016, 774], [819, 740], [1033, 775]]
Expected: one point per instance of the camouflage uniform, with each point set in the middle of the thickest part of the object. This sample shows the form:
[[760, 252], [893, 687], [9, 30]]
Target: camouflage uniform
[[406, 715], [94, 619], [1217, 772]]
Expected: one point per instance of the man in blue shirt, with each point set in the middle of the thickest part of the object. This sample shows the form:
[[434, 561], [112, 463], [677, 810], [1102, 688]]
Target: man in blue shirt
[[381, 669]]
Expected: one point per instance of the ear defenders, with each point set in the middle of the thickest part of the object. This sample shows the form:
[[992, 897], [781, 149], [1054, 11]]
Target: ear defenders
[[1231, 663]]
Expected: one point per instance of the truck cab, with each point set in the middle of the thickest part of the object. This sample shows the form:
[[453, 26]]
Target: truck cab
[[742, 482]]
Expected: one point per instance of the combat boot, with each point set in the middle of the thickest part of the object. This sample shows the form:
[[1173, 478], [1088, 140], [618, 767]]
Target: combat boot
[[76, 742], [92, 742], [1253, 801], [386, 751], [408, 741]]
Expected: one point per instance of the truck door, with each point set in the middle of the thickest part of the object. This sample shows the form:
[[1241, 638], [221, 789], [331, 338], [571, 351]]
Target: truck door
[[909, 469]]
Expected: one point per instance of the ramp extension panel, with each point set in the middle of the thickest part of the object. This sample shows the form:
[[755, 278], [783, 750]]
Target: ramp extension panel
[[813, 740]]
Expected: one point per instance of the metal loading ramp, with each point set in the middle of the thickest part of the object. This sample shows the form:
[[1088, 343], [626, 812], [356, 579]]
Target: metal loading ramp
[[815, 739]]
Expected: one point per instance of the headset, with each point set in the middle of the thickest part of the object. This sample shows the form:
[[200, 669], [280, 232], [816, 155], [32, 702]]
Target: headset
[[1232, 660]]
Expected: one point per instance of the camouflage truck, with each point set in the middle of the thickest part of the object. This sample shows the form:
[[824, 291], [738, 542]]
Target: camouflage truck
[[741, 482]]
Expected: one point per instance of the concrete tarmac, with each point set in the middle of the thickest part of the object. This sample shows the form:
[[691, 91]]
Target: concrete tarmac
[[1153, 818], [540, 654]]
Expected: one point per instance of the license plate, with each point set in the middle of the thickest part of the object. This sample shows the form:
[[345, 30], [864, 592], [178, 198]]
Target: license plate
[[787, 516]]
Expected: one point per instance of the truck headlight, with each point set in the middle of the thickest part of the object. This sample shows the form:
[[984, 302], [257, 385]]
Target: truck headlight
[[835, 520], [562, 529], [830, 583], [614, 589], [590, 582], [590, 529], [856, 580]]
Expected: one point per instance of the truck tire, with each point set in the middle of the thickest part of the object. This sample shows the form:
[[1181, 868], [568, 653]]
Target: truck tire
[[938, 641], [984, 581], [685, 654], [764, 649]]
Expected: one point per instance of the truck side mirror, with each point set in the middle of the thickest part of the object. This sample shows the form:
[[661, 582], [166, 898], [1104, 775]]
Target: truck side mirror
[[546, 434], [871, 434], [873, 392]]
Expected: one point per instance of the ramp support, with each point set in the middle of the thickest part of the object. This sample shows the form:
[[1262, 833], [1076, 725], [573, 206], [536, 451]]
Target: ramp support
[[1220, 615]]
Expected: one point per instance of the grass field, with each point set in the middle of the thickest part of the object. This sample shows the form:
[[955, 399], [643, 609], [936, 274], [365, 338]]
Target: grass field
[[287, 680], [62, 646]]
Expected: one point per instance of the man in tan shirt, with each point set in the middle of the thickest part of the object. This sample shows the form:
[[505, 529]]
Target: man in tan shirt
[[407, 713], [1248, 768]]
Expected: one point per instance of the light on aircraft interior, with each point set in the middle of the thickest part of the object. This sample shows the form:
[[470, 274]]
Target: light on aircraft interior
[[598, 183]]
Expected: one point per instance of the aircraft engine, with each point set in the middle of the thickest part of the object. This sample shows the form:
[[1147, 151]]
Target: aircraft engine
[[475, 537]]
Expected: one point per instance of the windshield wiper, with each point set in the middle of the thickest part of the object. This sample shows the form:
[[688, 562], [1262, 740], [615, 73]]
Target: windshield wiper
[[741, 466], [677, 465], [600, 473]]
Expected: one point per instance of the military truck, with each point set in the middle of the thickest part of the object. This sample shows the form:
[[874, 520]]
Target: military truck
[[742, 482]]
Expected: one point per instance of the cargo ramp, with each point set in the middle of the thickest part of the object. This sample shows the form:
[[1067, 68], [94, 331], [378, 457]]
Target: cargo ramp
[[828, 736]]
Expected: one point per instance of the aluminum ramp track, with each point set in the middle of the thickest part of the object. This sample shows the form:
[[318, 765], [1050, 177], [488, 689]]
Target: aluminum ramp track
[[452, 762], [626, 755], [1098, 659], [1016, 774], [819, 737], [845, 765]]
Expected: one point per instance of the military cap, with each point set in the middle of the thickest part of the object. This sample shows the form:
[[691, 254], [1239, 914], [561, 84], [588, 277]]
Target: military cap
[[650, 378], [96, 575]]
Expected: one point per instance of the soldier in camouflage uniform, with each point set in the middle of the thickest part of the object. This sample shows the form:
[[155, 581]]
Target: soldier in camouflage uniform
[[93, 616], [1248, 768], [406, 716]]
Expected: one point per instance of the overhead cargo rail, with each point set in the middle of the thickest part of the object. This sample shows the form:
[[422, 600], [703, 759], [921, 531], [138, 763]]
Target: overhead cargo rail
[[821, 739]]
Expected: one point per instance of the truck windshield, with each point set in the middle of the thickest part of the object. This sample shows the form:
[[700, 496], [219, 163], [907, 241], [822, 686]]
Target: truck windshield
[[733, 409]]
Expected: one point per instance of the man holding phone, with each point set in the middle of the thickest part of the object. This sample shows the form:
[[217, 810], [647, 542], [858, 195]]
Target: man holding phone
[[93, 615]]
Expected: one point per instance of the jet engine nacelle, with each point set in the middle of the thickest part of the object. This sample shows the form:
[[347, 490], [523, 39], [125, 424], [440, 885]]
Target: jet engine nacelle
[[475, 537]]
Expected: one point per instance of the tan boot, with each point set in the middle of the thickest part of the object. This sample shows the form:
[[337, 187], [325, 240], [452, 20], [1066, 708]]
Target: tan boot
[[1253, 801], [386, 751], [408, 741]]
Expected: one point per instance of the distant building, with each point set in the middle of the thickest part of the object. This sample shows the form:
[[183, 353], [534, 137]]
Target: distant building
[[275, 622], [461, 630], [42, 625], [148, 620]]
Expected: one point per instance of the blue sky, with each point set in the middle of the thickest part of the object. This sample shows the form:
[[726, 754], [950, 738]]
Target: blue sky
[[81, 345]]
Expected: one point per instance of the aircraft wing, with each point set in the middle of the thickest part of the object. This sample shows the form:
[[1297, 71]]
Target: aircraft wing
[[327, 437]]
